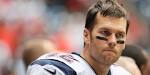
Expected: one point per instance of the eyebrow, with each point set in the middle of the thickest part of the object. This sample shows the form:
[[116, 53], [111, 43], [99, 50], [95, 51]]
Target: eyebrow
[[110, 29]]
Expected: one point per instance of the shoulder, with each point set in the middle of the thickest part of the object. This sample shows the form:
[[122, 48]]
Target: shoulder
[[66, 58], [118, 70], [59, 63]]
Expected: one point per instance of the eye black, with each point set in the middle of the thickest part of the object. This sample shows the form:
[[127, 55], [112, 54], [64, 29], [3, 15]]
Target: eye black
[[120, 42], [102, 38]]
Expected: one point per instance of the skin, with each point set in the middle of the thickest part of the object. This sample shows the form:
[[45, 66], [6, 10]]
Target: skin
[[145, 69], [100, 54]]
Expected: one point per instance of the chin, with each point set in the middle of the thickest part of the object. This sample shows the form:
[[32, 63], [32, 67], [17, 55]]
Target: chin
[[110, 60]]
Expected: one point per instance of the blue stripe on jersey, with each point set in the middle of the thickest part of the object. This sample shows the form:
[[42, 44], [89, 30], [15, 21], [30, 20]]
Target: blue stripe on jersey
[[62, 66]]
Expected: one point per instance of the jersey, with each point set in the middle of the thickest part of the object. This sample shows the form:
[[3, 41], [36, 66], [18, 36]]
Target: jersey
[[67, 64]]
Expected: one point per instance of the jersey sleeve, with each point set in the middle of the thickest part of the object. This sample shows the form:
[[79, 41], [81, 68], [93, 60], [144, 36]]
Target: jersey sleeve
[[49, 67]]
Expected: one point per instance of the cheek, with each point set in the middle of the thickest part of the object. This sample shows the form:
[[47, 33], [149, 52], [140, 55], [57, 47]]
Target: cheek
[[100, 43], [97, 43], [123, 46], [120, 47]]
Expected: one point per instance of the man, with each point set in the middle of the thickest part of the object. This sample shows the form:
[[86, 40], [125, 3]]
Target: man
[[104, 39], [34, 48]]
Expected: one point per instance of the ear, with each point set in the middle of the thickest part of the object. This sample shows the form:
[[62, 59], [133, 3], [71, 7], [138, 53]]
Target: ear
[[86, 35]]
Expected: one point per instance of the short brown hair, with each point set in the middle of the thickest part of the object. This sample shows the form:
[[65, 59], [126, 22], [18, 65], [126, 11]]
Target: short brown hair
[[106, 8]]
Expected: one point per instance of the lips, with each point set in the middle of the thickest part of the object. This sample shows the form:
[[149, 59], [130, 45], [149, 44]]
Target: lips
[[110, 50]]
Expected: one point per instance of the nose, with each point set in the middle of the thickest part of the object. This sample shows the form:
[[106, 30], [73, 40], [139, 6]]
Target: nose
[[112, 41]]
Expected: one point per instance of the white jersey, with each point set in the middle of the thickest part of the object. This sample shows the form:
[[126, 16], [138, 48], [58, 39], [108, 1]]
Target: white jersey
[[66, 64]]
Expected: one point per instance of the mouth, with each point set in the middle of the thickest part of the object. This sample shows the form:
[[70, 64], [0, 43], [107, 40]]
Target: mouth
[[110, 51]]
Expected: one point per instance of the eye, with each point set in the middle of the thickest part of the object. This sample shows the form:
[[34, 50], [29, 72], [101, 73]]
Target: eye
[[106, 33], [120, 35]]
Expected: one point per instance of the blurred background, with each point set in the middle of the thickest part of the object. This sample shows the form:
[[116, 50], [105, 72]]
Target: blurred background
[[61, 22]]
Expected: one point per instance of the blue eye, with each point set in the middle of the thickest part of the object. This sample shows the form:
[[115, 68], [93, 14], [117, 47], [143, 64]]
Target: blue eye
[[106, 33]]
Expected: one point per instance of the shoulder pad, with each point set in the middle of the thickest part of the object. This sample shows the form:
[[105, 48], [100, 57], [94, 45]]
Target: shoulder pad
[[69, 59], [44, 70]]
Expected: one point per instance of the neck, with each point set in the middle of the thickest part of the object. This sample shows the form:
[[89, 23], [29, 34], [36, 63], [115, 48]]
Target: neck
[[99, 68]]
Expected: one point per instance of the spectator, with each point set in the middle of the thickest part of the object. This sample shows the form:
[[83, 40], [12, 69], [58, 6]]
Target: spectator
[[139, 55], [36, 47], [129, 64]]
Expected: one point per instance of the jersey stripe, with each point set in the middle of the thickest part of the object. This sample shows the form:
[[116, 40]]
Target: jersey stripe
[[62, 66]]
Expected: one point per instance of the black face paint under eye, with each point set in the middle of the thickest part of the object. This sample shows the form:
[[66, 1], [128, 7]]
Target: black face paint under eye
[[105, 39], [120, 42], [102, 38]]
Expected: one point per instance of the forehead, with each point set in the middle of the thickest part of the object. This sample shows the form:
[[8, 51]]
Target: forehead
[[113, 23]]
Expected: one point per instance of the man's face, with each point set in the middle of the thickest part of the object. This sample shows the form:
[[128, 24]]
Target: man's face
[[107, 39]]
